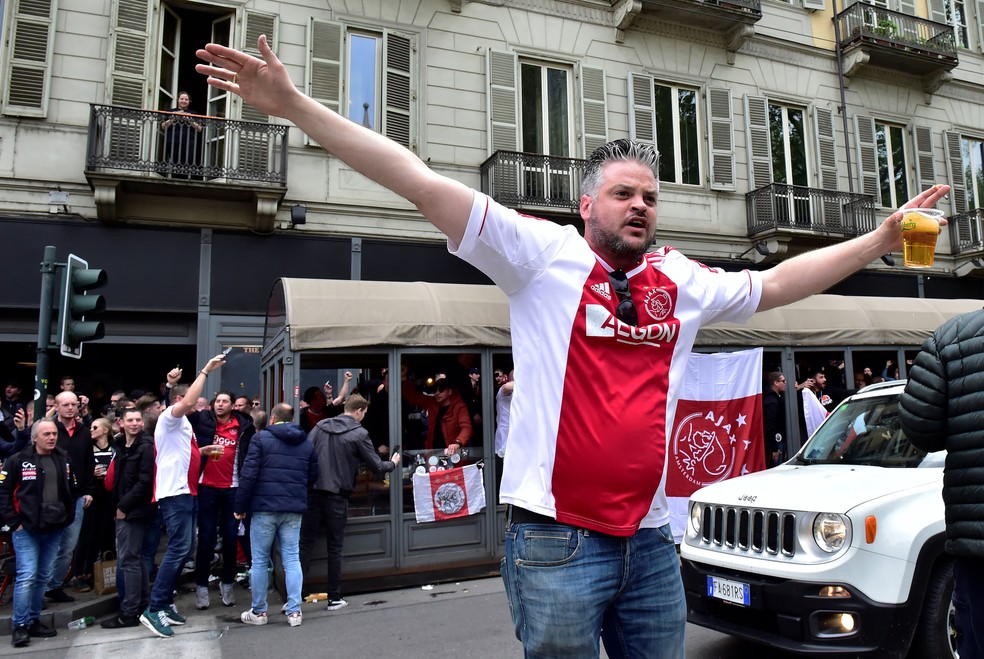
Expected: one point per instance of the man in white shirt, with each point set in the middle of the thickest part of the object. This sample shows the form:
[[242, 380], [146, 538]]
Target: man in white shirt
[[585, 473], [178, 465]]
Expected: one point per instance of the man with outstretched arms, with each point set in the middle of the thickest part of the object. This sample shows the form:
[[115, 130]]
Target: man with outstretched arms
[[178, 465], [584, 474]]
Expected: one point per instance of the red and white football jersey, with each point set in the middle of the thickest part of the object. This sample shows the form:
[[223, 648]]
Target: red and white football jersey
[[595, 397]]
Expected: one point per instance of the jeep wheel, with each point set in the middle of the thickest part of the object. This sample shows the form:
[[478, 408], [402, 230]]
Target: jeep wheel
[[935, 635]]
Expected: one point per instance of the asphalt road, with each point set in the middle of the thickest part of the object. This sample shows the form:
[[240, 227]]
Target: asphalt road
[[466, 619]]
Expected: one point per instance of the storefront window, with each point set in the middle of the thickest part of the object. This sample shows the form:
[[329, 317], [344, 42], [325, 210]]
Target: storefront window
[[441, 416], [326, 381]]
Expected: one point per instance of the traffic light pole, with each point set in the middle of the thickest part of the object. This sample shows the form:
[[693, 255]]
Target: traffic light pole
[[49, 267]]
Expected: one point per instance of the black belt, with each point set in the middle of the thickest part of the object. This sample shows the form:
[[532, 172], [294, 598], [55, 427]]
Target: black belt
[[524, 516]]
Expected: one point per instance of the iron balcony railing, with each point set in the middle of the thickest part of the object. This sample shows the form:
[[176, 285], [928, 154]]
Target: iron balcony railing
[[185, 146], [966, 233], [751, 6], [530, 180], [864, 22], [828, 212]]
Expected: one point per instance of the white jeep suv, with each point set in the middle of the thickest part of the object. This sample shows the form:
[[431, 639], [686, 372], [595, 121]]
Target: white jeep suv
[[839, 550]]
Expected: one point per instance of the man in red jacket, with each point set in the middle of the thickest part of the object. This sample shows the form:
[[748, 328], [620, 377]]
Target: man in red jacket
[[449, 422]]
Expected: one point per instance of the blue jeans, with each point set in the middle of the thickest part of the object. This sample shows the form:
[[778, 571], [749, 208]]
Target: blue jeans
[[215, 509], [968, 599], [177, 512], [568, 587], [36, 553], [286, 528], [66, 547]]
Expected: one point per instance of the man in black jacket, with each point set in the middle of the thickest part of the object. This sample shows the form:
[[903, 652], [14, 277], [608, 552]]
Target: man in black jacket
[[73, 438], [943, 408], [774, 417], [37, 502], [131, 477], [341, 445]]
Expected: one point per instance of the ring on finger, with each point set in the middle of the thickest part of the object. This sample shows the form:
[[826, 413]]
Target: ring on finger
[[235, 78]]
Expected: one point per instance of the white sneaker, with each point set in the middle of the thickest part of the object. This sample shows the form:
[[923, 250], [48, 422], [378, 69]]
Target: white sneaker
[[201, 597], [294, 619], [251, 618], [228, 596], [334, 605]]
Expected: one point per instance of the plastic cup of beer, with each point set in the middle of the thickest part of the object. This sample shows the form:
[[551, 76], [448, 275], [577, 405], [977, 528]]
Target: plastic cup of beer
[[217, 452], [920, 229]]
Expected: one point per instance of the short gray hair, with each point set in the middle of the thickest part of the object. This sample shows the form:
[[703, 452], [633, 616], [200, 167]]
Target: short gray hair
[[623, 149], [36, 427]]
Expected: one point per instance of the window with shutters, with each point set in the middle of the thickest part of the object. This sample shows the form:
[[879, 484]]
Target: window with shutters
[[787, 137], [972, 156], [890, 151], [365, 74], [956, 15], [546, 127], [678, 134], [545, 113], [28, 33]]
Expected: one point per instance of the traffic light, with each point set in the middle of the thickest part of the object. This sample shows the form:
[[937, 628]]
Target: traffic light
[[78, 303]]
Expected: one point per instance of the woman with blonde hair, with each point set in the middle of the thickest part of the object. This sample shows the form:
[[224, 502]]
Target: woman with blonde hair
[[98, 533]]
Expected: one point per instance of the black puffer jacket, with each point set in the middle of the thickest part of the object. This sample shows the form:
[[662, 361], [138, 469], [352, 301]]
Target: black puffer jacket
[[943, 408]]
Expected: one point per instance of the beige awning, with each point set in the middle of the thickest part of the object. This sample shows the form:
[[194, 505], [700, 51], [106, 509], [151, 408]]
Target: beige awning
[[840, 320], [325, 313]]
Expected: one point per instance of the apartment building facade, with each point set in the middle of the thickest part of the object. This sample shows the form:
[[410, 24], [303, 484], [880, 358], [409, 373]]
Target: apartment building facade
[[783, 126]]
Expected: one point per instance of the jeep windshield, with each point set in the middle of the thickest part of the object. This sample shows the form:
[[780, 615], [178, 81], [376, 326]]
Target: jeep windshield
[[864, 430]]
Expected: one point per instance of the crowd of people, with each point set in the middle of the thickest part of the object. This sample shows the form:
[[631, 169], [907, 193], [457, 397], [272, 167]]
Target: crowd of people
[[220, 478], [821, 389]]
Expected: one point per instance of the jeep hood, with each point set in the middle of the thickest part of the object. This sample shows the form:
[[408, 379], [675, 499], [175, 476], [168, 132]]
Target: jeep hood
[[820, 488]]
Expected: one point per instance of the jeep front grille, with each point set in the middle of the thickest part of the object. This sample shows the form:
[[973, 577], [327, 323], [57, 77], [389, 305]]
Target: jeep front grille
[[749, 530]]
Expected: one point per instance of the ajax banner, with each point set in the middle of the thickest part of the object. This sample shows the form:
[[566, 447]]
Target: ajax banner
[[717, 432]]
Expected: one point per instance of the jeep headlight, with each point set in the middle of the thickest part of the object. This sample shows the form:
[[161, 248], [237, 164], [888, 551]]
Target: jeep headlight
[[830, 531], [696, 514]]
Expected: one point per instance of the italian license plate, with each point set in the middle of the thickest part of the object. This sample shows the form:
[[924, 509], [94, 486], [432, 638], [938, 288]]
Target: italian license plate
[[729, 591]]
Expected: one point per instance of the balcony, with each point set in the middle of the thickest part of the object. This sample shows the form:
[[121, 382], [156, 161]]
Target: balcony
[[803, 218], [530, 181], [966, 234], [732, 20], [889, 39], [139, 162]]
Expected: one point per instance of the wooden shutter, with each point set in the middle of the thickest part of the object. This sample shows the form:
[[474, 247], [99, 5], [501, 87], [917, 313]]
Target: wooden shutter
[[594, 109], [980, 25], [324, 71], [925, 167], [254, 147], [823, 131], [759, 145], [129, 46], [257, 24], [864, 127], [27, 78], [906, 7], [721, 138], [937, 11], [397, 92], [642, 108], [823, 124], [955, 167], [503, 102]]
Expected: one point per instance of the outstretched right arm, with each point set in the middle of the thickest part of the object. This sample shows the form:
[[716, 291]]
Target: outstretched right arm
[[266, 85]]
